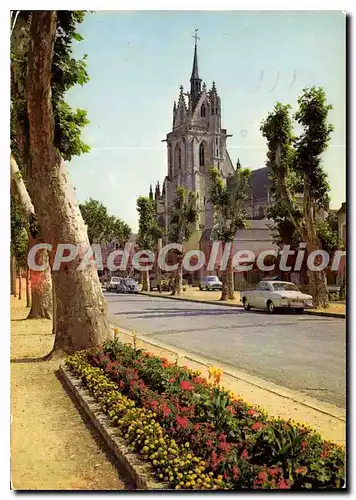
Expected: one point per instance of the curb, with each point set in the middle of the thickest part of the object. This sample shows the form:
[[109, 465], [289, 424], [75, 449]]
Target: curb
[[140, 473], [214, 303]]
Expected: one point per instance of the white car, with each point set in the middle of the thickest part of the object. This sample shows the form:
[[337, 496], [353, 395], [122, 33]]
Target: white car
[[272, 295], [113, 283]]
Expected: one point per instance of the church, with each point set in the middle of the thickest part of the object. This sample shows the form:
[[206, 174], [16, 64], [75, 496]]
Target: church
[[197, 142]]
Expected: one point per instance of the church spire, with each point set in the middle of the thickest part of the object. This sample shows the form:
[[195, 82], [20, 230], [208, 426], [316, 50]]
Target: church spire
[[195, 81]]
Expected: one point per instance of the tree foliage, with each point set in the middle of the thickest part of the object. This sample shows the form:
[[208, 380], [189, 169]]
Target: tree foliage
[[101, 226], [184, 215], [229, 200], [149, 231], [19, 238], [299, 185]]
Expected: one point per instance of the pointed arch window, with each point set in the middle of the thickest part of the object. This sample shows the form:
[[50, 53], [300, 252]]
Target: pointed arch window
[[178, 157], [203, 111], [201, 155]]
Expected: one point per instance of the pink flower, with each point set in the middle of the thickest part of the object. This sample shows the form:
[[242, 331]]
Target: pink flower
[[262, 476], [251, 412], [244, 454], [283, 484], [166, 411], [171, 380], [235, 472], [186, 385], [257, 426], [182, 422]]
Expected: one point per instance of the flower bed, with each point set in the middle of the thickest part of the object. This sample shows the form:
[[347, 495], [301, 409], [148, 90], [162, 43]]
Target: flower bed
[[197, 435]]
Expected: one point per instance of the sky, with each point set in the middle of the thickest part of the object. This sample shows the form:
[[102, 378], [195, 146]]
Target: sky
[[137, 60]]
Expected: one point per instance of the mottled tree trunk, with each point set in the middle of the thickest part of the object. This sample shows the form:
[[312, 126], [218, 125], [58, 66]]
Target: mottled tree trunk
[[20, 285], [13, 275], [146, 280], [230, 279], [177, 281], [41, 280], [80, 306], [28, 291], [41, 287]]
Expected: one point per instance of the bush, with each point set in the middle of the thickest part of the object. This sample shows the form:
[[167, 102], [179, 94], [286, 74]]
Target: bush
[[241, 447]]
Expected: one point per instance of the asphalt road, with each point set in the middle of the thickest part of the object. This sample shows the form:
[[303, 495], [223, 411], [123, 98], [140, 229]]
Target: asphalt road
[[301, 352]]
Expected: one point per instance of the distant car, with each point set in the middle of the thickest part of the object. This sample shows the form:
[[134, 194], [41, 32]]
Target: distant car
[[128, 285], [210, 283], [111, 286], [272, 295]]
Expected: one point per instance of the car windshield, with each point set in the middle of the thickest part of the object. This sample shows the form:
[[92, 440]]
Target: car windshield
[[130, 282], [289, 287], [213, 278], [114, 280]]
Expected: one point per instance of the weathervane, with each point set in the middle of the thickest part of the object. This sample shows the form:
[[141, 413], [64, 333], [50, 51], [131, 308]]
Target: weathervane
[[196, 37]]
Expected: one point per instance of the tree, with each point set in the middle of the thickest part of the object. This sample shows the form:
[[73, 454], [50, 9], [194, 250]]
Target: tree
[[66, 72], [41, 289], [102, 227], [183, 218], [149, 231], [296, 169], [80, 307], [229, 200], [19, 242]]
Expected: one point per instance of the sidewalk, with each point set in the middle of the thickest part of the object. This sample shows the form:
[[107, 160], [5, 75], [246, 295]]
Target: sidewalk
[[195, 295], [52, 447], [329, 420]]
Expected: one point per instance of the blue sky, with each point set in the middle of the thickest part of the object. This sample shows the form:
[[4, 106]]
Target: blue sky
[[137, 61]]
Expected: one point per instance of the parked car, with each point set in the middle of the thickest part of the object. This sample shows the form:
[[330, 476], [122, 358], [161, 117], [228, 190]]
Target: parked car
[[128, 285], [272, 295], [210, 283], [112, 285]]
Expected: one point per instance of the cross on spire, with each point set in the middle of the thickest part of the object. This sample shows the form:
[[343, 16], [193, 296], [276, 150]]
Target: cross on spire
[[195, 36]]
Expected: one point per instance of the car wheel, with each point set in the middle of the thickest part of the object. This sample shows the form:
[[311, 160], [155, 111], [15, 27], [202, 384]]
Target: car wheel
[[247, 306], [270, 307], [200, 288]]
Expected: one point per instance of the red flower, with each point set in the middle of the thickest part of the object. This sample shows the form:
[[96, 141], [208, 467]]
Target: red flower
[[166, 411], [153, 404], [231, 410], [122, 384], [172, 380], [186, 385], [244, 454], [235, 472], [301, 470], [196, 427], [182, 422], [257, 426], [251, 412], [209, 443], [303, 445], [199, 380], [262, 476], [223, 445], [283, 484]]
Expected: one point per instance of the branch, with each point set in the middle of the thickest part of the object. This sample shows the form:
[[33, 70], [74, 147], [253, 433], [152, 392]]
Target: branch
[[22, 193]]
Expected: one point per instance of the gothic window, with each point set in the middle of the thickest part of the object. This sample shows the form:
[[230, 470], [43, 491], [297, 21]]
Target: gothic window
[[202, 111], [201, 155], [178, 157]]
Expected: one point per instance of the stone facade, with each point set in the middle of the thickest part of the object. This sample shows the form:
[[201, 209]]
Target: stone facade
[[196, 143]]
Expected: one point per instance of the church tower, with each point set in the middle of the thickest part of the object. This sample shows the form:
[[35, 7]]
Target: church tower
[[196, 143]]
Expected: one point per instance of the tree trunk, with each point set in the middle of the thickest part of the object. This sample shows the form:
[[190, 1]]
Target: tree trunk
[[146, 280], [28, 291], [41, 280], [318, 289], [13, 275], [41, 288], [54, 308], [80, 307], [342, 294], [20, 285], [230, 279]]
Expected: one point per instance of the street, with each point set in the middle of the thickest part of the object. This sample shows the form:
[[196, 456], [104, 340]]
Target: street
[[301, 352]]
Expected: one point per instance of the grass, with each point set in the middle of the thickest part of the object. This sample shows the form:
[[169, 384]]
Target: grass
[[53, 447]]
